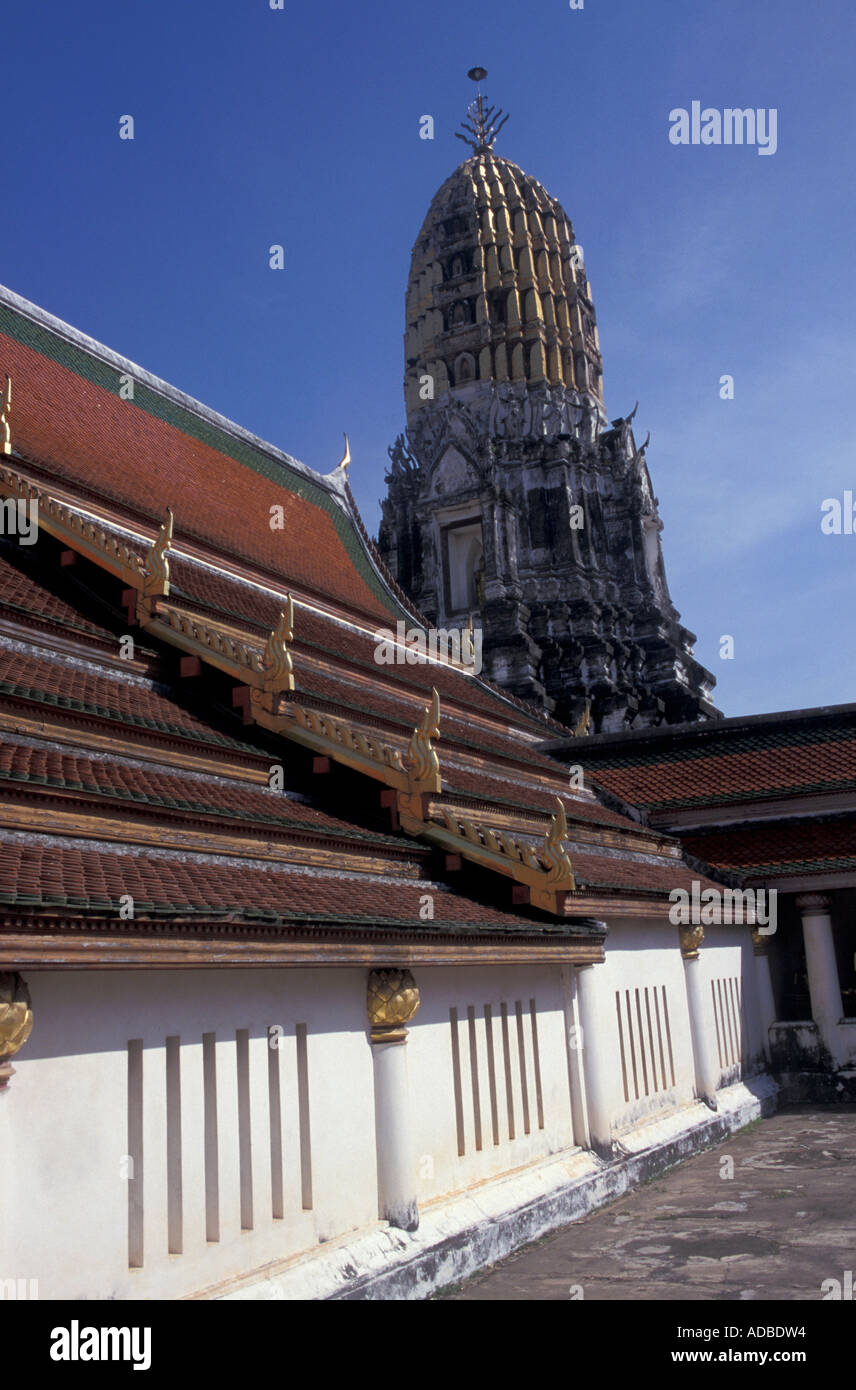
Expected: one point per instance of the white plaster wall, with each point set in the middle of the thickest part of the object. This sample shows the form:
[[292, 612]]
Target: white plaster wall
[[63, 1125], [64, 1119], [441, 1170], [640, 954], [645, 953], [727, 954]]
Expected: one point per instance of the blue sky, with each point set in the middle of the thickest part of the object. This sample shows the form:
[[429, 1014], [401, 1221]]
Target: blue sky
[[300, 127]]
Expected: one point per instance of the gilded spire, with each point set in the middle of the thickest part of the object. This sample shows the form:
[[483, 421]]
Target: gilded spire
[[483, 122]]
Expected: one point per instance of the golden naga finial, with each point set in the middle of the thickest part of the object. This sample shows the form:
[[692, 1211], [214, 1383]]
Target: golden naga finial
[[276, 660], [583, 727], [422, 761], [341, 469], [555, 856], [156, 564], [5, 427]]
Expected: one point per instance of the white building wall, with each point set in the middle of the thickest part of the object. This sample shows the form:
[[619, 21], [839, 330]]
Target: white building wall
[[644, 1022], [490, 1086], [253, 1154], [729, 975], [64, 1127]]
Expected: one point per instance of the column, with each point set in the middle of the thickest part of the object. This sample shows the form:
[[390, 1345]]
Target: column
[[766, 1000], [392, 999], [705, 1060], [598, 1061], [823, 982]]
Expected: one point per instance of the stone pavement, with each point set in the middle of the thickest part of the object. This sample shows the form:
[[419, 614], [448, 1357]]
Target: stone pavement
[[781, 1225]]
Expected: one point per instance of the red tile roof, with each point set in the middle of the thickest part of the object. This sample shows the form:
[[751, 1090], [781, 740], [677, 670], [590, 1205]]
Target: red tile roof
[[149, 453], [21, 594], [791, 847], [95, 880], [238, 807], [59, 682], [719, 770]]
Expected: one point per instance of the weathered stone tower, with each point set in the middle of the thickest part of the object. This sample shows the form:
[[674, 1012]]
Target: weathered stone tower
[[512, 499]]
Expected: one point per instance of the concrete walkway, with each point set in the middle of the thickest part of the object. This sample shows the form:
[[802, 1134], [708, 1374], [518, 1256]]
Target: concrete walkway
[[768, 1214]]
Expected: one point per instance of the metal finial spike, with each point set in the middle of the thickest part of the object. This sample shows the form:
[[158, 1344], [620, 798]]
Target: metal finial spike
[[483, 123]]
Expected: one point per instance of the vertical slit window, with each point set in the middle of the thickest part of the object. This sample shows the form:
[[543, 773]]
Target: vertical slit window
[[536, 1058], [491, 1073], [245, 1142], [474, 1074], [521, 1052], [212, 1156], [275, 1114], [173, 1147], [135, 1153], [304, 1117], [457, 1089], [506, 1054]]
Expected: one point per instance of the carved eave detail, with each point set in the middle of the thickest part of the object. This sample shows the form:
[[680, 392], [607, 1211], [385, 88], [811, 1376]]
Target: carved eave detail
[[75, 531], [547, 874], [266, 669], [335, 738]]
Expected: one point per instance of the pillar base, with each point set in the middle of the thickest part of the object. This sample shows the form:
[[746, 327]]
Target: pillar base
[[404, 1217]]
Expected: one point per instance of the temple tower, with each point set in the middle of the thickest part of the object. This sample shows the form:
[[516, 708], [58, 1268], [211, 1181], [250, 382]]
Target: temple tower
[[512, 499]]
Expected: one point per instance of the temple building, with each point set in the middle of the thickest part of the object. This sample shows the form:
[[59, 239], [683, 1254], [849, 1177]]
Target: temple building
[[328, 978], [512, 500], [318, 978], [766, 800]]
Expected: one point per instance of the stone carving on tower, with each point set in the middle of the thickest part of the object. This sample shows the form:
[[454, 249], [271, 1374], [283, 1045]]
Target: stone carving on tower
[[512, 499]]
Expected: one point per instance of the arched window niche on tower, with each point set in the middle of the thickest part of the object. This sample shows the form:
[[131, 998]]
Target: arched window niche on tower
[[464, 369], [463, 566]]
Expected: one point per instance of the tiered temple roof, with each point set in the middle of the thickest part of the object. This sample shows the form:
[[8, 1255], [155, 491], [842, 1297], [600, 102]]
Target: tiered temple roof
[[243, 782]]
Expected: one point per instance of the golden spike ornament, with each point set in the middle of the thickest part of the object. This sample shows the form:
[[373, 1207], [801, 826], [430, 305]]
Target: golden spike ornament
[[422, 761], [276, 660], [5, 427], [156, 567], [340, 472], [554, 854], [583, 728]]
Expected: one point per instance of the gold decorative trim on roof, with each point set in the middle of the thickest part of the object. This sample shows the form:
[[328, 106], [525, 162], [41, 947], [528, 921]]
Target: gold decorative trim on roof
[[156, 563], [546, 874], [5, 427], [276, 661], [421, 756], [583, 726], [75, 530]]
